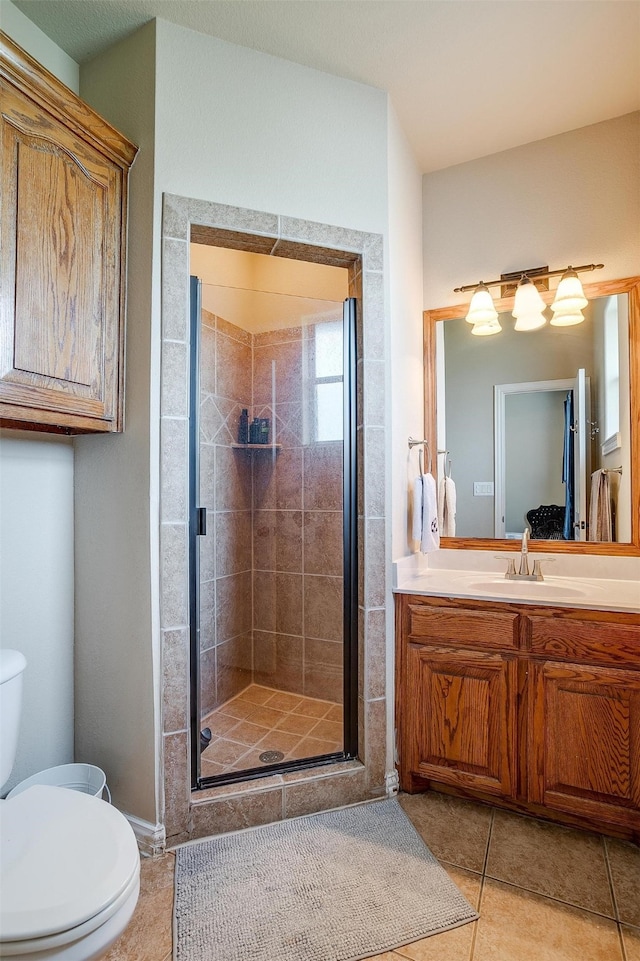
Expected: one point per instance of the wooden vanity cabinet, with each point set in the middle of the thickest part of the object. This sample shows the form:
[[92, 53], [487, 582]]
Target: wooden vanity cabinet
[[534, 708], [63, 181]]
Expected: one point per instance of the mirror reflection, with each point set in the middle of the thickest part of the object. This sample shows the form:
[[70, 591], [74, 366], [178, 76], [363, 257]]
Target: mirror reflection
[[534, 427]]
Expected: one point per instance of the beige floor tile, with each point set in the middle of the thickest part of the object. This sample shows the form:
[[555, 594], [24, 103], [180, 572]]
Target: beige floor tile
[[265, 716], [245, 732], [559, 862], [452, 945], [328, 730], [312, 708], [156, 873], [624, 861], [219, 724], [278, 741], [211, 768], [240, 709], [223, 751], [297, 724], [454, 830], [257, 694], [516, 925], [148, 935], [312, 747], [282, 701], [631, 938], [335, 713]]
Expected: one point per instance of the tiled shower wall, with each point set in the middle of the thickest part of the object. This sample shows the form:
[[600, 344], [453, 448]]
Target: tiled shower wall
[[297, 539], [271, 577], [226, 646]]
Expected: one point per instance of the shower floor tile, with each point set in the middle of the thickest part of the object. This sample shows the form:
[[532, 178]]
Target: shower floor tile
[[263, 719]]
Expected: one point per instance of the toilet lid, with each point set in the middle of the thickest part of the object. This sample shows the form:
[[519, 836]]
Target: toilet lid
[[65, 857]]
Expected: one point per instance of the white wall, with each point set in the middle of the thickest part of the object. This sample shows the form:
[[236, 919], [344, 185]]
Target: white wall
[[117, 483], [36, 534], [570, 199], [36, 590], [25, 33]]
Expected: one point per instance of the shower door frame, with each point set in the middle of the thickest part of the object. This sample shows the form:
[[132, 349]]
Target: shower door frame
[[197, 528]]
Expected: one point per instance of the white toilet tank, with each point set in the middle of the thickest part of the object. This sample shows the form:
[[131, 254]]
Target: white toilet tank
[[12, 664]]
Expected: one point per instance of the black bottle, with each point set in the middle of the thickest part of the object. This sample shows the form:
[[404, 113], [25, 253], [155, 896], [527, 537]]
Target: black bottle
[[243, 427], [264, 430], [254, 431]]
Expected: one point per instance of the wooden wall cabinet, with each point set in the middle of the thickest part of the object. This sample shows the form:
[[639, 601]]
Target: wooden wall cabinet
[[537, 709], [63, 183]]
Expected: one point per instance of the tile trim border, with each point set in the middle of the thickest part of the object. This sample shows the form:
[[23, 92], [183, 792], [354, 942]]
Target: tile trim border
[[364, 252]]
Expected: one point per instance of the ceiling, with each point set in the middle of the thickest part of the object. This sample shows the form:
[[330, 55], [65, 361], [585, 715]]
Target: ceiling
[[467, 78]]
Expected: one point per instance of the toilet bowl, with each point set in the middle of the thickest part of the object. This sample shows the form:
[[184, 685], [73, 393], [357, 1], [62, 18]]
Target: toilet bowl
[[70, 867], [70, 875]]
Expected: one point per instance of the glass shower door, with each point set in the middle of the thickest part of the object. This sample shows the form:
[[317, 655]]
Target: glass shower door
[[274, 458]]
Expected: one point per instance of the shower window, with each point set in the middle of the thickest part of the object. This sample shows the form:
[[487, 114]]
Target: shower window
[[272, 611]]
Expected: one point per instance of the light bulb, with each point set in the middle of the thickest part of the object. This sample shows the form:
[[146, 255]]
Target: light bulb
[[481, 308]]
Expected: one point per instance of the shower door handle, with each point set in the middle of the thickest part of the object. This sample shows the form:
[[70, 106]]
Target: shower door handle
[[201, 521]]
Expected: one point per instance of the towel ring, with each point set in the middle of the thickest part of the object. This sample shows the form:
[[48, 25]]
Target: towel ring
[[412, 443]]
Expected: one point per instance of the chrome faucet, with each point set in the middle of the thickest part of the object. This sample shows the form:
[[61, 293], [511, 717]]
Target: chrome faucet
[[524, 554], [523, 573]]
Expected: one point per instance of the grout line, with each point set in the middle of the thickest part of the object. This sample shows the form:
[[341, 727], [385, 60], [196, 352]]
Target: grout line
[[614, 900]]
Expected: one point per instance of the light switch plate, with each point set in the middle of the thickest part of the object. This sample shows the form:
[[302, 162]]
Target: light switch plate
[[483, 488]]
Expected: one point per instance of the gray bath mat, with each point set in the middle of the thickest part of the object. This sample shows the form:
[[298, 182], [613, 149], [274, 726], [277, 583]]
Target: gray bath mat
[[336, 886]]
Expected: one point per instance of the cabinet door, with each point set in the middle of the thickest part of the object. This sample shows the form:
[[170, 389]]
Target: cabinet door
[[584, 741], [61, 233], [461, 718]]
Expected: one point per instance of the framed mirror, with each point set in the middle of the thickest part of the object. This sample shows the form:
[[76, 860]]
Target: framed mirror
[[540, 429]]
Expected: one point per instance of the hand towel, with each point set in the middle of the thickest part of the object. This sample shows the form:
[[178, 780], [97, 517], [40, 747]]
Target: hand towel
[[600, 526], [447, 507], [425, 513]]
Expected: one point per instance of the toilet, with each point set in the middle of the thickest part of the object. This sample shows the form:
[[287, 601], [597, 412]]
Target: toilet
[[70, 867]]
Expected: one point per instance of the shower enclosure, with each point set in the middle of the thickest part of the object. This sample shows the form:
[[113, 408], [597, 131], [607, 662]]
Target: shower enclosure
[[272, 556]]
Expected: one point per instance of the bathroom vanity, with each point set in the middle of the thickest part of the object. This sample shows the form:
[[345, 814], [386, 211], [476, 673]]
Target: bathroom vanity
[[528, 705]]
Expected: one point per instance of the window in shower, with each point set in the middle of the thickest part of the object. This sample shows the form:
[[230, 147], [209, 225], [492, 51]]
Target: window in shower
[[272, 456]]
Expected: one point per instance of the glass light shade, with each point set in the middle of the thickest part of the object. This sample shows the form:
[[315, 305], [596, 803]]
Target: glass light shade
[[567, 317], [481, 308], [530, 322], [484, 328], [528, 307], [569, 295]]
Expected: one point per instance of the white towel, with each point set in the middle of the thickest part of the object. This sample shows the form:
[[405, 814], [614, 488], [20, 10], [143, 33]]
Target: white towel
[[600, 526], [447, 507], [425, 513]]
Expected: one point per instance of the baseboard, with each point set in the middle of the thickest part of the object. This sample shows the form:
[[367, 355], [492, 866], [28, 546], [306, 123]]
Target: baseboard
[[152, 839]]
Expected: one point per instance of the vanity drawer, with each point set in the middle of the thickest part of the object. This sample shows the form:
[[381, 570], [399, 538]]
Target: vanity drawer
[[430, 624], [568, 638]]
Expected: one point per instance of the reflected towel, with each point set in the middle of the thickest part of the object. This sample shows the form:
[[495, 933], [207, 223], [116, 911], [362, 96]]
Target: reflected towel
[[600, 526], [425, 513], [447, 507]]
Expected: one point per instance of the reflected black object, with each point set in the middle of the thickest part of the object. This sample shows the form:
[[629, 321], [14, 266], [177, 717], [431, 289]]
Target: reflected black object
[[254, 431]]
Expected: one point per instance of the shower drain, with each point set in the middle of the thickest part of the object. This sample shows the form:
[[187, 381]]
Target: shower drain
[[271, 757]]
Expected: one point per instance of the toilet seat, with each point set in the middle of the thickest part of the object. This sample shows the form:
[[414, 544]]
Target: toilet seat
[[69, 862]]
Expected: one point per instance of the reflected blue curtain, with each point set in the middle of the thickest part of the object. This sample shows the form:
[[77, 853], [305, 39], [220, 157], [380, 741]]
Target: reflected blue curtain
[[568, 460]]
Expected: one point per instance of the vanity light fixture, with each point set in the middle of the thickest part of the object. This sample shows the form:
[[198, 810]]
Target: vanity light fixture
[[529, 305]]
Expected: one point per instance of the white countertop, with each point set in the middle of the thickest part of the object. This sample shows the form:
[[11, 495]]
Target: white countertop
[[425, 575]]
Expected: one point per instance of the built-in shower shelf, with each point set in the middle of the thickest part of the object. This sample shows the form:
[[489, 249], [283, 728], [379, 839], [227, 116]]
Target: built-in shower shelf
[[257, 446]]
